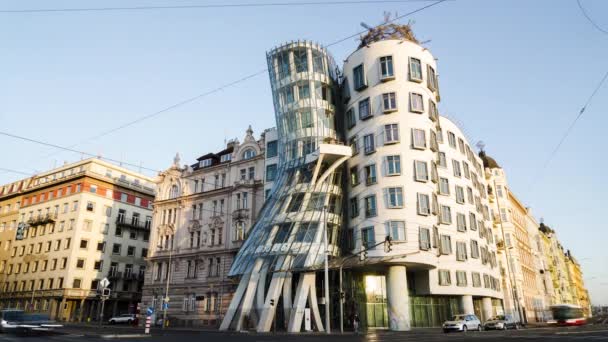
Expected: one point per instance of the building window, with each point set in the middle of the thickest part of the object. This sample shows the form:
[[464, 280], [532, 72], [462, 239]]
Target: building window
[[391, 133], [433, 113], [459, 194], [445, 246], [474, 249], [444, 186], [423, 205], [452, 139], [370, 174], [461, 251], [396, 230], [461, 278], [296, 202], [272, 149], [116, 249], [476, 279], [444, 278], [431, 78], [456, 166], [368, 144], [416, 103], [461, 222], [395, 197], [472, 221], [76, 283], [354, 176], [420, 171], [354, 207], [415, 70], [389, 102], [131, 251], [370, 206], [271, 172], [359, 77], [446, 215], [386, 68], [364, 109], [84, 244], [418, 139], [80, 263], [248, 154], [393, 165], [354, 145], [368, 237], [424, 236], [351, 119]]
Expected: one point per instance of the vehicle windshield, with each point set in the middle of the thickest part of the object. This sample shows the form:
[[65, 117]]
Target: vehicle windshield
[[125, 315], [458, 318], [498, 318]]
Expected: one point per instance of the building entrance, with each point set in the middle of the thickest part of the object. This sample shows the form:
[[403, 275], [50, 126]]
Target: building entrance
[[375, 301]]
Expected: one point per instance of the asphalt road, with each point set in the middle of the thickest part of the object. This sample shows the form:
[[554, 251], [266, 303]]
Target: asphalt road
[[588, 333]]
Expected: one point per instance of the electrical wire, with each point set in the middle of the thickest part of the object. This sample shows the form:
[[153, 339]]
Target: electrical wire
[[199, 96], [209, 6], [565, 135], [589, 18]]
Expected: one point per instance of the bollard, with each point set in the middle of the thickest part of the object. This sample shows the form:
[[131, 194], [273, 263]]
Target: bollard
[[148, 320]]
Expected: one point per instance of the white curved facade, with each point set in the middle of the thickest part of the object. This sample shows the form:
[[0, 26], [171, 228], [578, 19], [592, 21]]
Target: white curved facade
[[392, 119]]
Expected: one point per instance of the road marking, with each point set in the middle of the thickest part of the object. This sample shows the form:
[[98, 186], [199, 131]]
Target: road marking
[[580, 332]]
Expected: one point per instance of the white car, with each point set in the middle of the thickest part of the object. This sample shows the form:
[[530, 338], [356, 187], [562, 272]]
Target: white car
[[462, 323], [125, 318]]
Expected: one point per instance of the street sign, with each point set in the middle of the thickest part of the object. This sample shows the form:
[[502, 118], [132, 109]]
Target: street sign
[[105, 293], [165, 306], [104, 283], [150, 311]]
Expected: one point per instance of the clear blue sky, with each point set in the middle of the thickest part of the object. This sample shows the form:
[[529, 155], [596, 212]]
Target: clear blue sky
[[515, 72]]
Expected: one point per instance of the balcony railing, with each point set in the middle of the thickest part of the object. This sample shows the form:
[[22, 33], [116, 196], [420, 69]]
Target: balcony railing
[[125, 222], [240, 214], [113, 274], [42, 219]]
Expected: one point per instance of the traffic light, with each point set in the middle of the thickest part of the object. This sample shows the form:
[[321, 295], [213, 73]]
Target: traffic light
[[388, 244], [363, 254]]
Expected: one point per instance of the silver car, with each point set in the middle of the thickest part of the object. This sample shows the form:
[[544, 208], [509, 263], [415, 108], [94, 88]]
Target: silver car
[[462, 323], [501, 322]]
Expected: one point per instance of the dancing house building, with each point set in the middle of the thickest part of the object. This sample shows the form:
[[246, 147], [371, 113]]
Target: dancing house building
[[414, 241]]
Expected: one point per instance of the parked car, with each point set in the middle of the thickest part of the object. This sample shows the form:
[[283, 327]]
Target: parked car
[[124, 318], [501, 322], [462, 323]]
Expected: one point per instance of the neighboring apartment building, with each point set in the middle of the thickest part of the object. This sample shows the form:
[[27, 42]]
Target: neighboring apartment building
[[557, 266], [580, 295], [81, 222], [10, 202], [514, 223], [202, 214]]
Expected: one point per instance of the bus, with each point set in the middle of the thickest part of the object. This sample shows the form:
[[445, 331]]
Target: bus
[[567, 315]]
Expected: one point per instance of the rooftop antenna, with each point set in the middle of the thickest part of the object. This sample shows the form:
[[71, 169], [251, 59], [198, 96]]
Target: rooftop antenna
[[369, 28]]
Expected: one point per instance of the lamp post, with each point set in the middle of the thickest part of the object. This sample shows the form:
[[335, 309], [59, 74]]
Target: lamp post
[[328, 329], [508, 255], [166, 299]]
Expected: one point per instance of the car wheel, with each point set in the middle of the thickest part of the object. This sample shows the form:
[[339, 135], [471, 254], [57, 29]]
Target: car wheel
[[445, 331], [111, 322], [464, 328]]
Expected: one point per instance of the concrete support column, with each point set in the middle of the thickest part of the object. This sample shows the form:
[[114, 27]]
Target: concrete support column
[[466, 304], [486, 308], [398, 299]]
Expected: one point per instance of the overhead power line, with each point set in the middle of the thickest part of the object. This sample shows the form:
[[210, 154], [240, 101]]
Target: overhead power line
[[565, 135], [580, 5], [209, 6], [75, 151], [15, 171]]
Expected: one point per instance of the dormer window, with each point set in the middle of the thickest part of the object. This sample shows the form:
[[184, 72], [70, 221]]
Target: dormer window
[[205, 163], [248, 154], [225, 157]]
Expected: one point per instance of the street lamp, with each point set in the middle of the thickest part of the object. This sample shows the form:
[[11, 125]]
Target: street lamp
[[326, 271]]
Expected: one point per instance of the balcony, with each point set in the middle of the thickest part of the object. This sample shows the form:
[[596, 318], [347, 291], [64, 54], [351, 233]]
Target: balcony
[[114, 274], [132, 223], [240, 214], [42, 219]]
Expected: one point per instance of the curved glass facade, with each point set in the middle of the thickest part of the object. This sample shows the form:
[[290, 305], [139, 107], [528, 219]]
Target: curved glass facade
[[307, 192]]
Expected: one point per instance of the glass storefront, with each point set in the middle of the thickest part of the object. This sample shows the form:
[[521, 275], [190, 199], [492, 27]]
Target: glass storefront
[[432, 311], [375, 301]]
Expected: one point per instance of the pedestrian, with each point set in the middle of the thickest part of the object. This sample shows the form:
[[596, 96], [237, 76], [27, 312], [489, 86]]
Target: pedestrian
[[356, 323]]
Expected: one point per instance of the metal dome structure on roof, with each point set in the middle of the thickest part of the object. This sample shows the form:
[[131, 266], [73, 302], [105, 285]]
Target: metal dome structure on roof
[[488, 161]]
